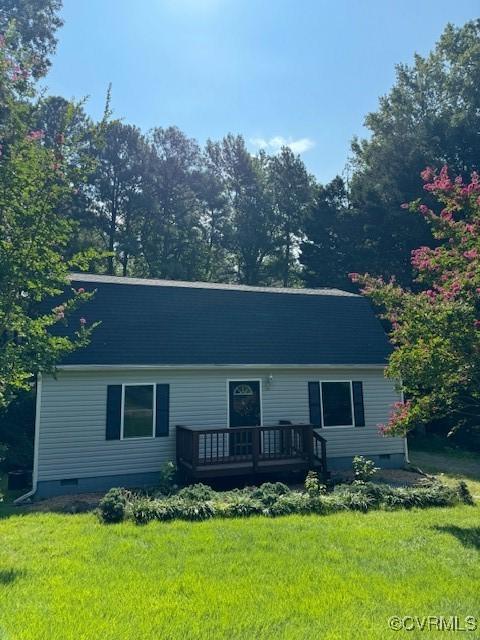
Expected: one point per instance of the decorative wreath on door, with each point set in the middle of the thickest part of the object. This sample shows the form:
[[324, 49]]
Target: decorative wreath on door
[[243, 399]]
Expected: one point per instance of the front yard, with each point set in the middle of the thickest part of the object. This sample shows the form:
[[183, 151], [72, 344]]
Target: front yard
[[299, 577]]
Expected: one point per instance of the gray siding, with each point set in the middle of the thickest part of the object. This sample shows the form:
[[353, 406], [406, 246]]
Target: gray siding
[[73, 408]]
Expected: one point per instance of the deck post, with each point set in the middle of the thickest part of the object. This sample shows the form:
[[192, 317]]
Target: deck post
[[255, 448], [324, 459], [196, 449], [309, 443]]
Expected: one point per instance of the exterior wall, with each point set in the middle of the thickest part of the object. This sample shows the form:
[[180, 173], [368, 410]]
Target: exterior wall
[[72, 440]]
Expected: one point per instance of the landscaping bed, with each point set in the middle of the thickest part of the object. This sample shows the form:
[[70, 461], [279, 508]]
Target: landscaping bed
[[201, 502]]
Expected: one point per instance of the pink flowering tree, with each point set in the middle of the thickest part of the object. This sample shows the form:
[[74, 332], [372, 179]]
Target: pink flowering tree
[[34, 233], [436, 327]]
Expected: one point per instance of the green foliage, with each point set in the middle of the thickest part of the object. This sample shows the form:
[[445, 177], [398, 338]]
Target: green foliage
[[436, 327], [114, 505], [35, 23], [289, 503], [17, 426], [363, 468], [292, 193], [238, 505], [429, 117], [269, 492], [464, 493], [35, 180], [312, 484], [198, 492], [166, 481], [200, 502]]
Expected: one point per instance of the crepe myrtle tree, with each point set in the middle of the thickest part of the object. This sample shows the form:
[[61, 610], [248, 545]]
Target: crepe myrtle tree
[[436, 327], [34, 179]]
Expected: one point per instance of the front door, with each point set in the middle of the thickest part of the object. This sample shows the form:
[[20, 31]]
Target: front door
[[245, 411]]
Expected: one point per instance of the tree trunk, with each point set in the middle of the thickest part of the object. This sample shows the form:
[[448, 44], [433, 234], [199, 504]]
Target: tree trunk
[[112, 231], [286, 266]]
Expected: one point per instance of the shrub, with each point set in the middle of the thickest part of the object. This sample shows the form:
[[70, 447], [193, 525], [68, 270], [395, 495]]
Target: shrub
[[240, 505], [269, 492], [358, 501], [363, 469], [464, 494], [330, 503], [166, 480], [200, 502], [113, 506], [200, 492], [374, 493], [434, 495], [286, 504], [144, 510], [195, 510], [312, 484]]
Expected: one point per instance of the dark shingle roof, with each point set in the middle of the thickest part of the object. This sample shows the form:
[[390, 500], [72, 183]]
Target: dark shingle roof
[[162, 322]]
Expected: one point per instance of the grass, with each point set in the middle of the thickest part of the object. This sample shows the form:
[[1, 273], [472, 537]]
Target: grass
[[67, 577]]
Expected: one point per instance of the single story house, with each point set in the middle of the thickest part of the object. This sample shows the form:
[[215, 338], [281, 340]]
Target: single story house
[[222, 379]]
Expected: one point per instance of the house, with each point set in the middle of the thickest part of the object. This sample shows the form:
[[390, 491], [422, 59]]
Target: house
[[223, 379]]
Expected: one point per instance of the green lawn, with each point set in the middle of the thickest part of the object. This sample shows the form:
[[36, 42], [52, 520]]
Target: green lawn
[[299, 577], [341, 576]]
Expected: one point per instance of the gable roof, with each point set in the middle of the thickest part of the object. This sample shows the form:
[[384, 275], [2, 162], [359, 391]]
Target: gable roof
[[164, 322]]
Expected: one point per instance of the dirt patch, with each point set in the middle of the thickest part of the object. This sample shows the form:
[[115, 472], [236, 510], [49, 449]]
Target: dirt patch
[[394, 477], [78, 503]]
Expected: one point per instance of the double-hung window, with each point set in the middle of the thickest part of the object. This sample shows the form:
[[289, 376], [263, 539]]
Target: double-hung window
[[337, 404], [138, 411]]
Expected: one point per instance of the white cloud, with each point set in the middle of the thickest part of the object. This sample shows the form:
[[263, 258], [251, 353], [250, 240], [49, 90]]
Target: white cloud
[[274, 144]]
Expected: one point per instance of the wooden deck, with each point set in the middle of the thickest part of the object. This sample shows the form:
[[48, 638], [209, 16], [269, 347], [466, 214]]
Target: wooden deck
[[209, 453]]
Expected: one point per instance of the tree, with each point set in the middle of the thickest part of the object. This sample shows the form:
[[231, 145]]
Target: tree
[[34, 25], [216, 225], [171, 228], [33, 180], [60, 119], [430, 117], [245, 185], [292, 189], [329, 249], [116, 184], [436, 330]]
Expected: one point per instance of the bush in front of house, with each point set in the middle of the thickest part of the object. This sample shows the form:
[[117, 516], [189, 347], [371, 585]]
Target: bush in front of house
[[114, 505], [167, 479], [200, 502], [313, 485], [269, 492], [197, 492], [239, 505], [363, 469]]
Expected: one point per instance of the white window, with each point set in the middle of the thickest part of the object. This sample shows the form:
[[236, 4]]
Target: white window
[[138, 411], [337, 404]]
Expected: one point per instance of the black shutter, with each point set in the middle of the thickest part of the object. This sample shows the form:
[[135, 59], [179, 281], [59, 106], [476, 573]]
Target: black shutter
[[314, 403], [162, 410], [114, 411], [358, 408]]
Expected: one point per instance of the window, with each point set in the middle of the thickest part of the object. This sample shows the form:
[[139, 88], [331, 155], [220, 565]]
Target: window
[[138, 411], [337, 404]]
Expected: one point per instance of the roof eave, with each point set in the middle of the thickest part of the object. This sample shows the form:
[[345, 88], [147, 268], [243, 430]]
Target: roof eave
[[123, 367]]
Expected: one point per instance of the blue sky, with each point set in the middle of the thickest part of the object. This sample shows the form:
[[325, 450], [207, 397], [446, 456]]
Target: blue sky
[[304, 72]]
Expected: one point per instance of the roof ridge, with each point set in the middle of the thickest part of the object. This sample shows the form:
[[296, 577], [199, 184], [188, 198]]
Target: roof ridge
[[90, 277]]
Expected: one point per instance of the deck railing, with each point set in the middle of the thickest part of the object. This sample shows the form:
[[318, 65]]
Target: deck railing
[[201, 449]]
